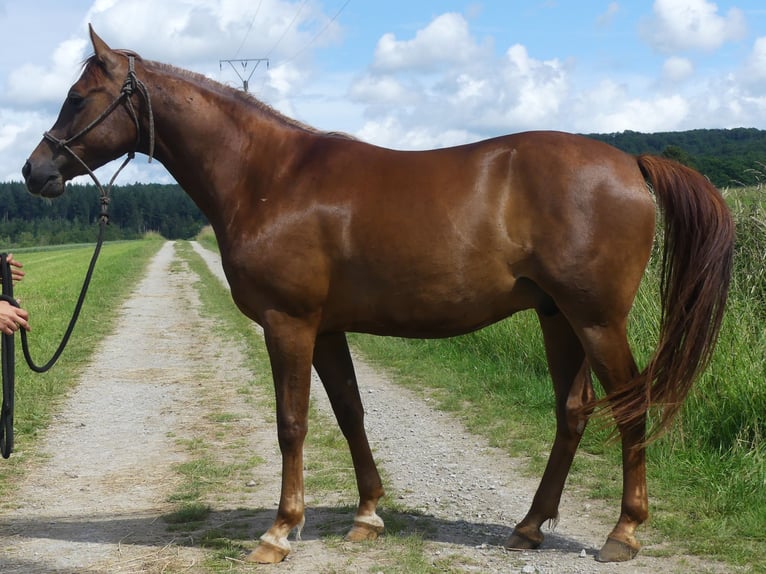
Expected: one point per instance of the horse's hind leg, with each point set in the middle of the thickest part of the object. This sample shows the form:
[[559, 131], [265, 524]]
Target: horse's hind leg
[[333, 364], [574, 391], [613, 363]]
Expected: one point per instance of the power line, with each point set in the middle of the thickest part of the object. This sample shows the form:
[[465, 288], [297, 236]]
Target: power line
[[250, 29], [316, 36], [245, 62], [310, 42], [290, 25]]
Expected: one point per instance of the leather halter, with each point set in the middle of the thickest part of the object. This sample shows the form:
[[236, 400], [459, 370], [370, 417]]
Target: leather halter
[[129, 87]]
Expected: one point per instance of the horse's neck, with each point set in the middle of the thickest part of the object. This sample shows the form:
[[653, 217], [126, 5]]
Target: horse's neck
[[202, 134]]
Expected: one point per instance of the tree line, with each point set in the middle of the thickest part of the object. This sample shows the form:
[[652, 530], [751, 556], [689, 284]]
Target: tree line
[[729, 158], [134, 210]]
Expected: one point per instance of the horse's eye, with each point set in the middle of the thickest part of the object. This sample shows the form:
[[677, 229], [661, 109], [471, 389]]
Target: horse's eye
[[75, 100]]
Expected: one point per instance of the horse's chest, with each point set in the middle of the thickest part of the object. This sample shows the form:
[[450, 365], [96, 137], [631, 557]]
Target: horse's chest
[[295, 285]]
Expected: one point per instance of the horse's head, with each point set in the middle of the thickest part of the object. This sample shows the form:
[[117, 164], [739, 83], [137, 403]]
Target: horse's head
[[98, 122]]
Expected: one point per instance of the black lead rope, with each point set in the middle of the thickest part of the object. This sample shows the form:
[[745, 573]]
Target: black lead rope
[[9, 365], [8, 345]]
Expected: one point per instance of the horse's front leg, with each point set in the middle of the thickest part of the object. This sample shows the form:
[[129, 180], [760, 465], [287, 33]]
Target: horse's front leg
[[290, 344], [333, 363]]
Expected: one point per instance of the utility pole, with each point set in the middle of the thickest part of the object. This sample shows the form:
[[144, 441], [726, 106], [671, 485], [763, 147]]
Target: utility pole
[[244, 63]]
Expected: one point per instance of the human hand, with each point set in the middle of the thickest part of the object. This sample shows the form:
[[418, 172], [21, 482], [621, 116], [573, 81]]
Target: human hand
[[16, 266], [11, 318]]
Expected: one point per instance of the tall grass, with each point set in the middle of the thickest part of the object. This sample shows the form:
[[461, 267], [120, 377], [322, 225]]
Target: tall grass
[[715, 461], [707, 477]]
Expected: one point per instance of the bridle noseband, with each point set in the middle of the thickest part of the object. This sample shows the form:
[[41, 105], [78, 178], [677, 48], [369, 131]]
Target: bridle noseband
[[131, 85]]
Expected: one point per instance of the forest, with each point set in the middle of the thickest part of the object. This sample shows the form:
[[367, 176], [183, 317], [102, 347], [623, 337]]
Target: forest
[[134, 210], [729, 158]]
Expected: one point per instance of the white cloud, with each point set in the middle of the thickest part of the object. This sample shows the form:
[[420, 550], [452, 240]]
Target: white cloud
[[535, 89], [754, 72], [381, 90], [19, 130], [468, 100], [391, 132], [649, 115], [31, 85], [679, 25], [607, 17], [446, 40], [677, 69], [454, 101], [192, 34], [197, 33]]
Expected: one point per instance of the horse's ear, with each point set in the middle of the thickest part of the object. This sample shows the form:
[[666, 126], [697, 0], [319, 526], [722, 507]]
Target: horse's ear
[[104, 54]]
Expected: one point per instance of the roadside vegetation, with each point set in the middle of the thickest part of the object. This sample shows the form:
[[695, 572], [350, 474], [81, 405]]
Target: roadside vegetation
[[134, 210]]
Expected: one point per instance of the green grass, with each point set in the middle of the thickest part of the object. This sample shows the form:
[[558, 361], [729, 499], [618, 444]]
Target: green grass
[[192, 513], [207, 238], [49, 292]]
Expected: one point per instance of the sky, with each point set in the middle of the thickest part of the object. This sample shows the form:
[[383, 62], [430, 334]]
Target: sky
[[408, 74]]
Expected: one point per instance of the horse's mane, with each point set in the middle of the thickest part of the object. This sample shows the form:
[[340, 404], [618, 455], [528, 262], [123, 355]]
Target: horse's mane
[[224, 90]]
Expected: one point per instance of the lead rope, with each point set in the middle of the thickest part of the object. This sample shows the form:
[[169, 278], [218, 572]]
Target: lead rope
[[8, 343], [9, 365]]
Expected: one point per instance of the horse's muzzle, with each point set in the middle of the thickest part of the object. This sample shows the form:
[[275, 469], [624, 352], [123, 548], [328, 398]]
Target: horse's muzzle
[[43, 178]]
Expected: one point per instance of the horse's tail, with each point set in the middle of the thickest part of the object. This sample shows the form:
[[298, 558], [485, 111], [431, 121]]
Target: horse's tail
[[696, 270]]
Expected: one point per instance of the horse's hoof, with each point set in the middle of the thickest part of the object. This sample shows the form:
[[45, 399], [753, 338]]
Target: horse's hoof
[[519, 541], [366, 528], [615, 550], [267, 553], [361, 532]]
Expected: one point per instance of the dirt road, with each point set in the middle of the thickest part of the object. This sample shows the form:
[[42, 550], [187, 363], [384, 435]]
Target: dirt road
[[95, 502]]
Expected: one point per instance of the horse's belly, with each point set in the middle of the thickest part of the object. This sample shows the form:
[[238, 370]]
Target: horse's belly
[[432, 313]]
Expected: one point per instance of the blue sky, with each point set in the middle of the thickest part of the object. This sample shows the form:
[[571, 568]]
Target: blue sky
[[411, 74]]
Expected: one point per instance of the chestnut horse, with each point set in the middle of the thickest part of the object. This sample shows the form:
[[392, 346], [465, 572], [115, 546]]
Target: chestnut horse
[[321, 234]]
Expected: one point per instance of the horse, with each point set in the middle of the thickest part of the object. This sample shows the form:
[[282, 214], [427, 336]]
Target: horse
[[322, 234]]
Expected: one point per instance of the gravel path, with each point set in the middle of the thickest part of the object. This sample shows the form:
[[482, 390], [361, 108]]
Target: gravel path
[[93, 503]]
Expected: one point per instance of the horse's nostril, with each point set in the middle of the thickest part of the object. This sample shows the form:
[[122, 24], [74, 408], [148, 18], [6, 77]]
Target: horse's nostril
[[26, 170]]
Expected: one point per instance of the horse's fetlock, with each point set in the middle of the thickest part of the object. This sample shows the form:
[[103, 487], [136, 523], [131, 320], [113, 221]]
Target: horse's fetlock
[[299, 527]]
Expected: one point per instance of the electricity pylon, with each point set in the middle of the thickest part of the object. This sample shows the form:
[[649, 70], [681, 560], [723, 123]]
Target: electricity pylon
[[244, 63]]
